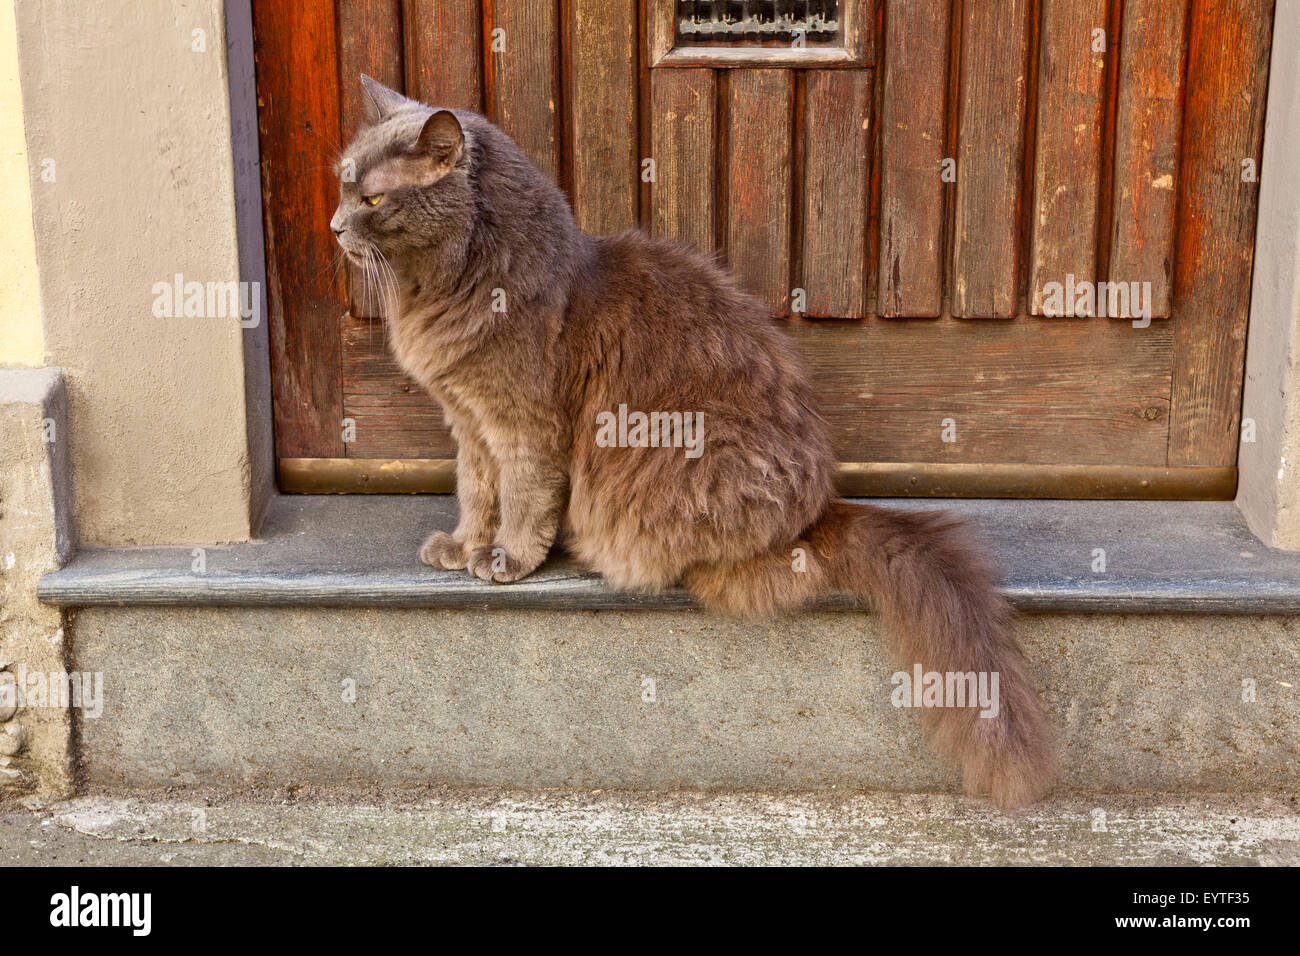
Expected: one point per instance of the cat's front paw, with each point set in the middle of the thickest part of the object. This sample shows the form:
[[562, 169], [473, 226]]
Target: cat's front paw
[[493, 563], [444, 551]]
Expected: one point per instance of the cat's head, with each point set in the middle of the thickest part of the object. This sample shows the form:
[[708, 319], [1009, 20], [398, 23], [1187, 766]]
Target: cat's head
[[403, 180]]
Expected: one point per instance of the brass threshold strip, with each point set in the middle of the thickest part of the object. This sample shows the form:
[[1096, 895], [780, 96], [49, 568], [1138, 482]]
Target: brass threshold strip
[[387, 476]]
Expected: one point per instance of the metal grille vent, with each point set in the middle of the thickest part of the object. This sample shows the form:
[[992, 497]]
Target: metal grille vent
[[756, 21]]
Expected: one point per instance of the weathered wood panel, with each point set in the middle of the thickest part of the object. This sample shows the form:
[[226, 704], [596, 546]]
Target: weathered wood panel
[[370, 42], [1013, 391], [775, 167], [298, 123], [1223, 128], [1069, 391], [1067, 145], [683, 127], [603, 74], [837, 171], [912, 132], [1152, 66], [444, 52], [759, 163], [990, 156], [394, 417], [523, 78]]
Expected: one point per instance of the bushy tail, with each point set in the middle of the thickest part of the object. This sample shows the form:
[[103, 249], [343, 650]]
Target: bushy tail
[[934, 590]]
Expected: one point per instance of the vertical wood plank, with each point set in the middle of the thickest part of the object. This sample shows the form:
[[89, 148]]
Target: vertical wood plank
[[1223, 125], [990, 156], [523, 89], [760, 111], [1067, 142], [913, 112], [603, 79], [858, 21], [370, 42], [1152, 65], [837, 171], [683, 106], [298, 123], [661, 28], [444, 52]]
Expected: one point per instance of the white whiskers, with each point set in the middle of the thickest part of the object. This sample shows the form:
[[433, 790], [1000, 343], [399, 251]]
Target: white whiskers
[[380, 279]]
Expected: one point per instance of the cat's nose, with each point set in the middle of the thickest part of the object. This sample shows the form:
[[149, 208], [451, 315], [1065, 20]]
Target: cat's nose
[[337, 230]]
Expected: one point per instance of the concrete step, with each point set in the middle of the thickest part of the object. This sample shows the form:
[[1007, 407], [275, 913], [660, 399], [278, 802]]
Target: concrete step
[[651, 700], [555, 828], [360, 551], [324, 654]]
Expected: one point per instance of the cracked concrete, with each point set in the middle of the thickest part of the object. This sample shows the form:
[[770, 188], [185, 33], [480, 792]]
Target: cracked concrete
[[510, 827]]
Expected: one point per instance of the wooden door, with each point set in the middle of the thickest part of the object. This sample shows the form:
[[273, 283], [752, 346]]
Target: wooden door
[[915, 187]]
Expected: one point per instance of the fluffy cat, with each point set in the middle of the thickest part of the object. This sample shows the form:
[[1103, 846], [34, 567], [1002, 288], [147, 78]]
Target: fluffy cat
[[533, 335]]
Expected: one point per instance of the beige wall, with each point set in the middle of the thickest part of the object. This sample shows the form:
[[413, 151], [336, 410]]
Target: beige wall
[[20, 308], [1268, 491], [138, 126]]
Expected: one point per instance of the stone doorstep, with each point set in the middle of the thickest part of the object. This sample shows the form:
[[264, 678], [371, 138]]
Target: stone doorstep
[[223, 664], [360, 551]]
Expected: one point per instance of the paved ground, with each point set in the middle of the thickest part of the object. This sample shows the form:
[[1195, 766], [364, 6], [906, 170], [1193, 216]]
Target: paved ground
[[551, 827]]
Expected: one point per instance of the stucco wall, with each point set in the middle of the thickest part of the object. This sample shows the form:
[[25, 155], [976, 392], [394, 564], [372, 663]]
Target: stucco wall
[[135, 118], [1269, 467], [20, 308]]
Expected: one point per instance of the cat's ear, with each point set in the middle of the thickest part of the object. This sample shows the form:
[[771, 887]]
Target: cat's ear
[[380, 100], [441, 139]]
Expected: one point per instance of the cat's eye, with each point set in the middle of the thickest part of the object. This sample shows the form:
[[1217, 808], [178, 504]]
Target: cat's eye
[[372, 200]]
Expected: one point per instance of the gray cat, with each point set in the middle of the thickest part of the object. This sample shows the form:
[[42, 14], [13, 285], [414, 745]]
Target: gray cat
[[542, 343]]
